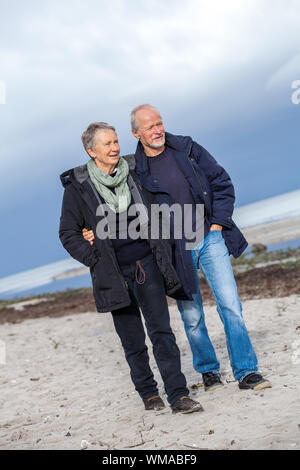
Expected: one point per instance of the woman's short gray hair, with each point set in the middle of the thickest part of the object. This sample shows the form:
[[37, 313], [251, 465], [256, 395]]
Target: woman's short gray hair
[[134, 125], [88, 137]]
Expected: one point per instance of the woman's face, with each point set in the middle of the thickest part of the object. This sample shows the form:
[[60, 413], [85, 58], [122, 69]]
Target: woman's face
[[106, 153]]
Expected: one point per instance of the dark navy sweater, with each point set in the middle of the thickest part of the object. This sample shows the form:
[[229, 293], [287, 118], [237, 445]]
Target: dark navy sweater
[[166, 171]]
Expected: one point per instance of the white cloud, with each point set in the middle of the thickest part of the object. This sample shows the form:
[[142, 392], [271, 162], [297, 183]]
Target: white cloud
[[67, 63], [155, 40]]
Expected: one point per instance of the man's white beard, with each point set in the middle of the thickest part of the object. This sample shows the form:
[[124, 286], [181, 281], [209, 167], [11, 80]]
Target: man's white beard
[[153, 146]]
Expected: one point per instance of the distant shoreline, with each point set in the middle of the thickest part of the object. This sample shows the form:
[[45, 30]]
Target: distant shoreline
[[281, 253], [281, 279]]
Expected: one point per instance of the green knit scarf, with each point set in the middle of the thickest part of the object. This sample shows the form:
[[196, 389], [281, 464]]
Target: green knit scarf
[[119, 200]]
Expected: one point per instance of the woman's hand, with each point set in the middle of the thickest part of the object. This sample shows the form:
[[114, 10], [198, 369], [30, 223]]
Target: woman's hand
[[215, 227], [88, 235]]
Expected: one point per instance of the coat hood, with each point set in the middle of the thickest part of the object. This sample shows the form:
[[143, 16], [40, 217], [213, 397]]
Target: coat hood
[[78, 174]]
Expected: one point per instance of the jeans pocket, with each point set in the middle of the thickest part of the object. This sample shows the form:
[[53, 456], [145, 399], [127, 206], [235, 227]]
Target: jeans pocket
[[214, 236], [215, 233]]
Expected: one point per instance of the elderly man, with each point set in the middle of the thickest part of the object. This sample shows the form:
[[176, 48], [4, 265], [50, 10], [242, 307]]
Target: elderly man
[[125, 273], [176, 169]]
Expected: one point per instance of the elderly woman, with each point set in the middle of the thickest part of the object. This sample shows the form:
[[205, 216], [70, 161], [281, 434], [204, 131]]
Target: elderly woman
[[126, 273]]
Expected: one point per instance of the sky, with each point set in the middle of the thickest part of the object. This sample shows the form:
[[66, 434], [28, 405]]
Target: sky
[[221, 72]]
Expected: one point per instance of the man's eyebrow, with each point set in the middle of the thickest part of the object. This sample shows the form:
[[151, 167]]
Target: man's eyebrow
[[155, 124]]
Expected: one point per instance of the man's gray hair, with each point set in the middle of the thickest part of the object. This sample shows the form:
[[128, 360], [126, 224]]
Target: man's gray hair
[[134, 125], [88, 137]]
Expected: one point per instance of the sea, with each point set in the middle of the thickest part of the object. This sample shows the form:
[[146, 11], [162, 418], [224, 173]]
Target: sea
[[39, 280]]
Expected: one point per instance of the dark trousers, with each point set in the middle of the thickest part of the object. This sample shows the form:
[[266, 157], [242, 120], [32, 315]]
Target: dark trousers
[[151, 298]]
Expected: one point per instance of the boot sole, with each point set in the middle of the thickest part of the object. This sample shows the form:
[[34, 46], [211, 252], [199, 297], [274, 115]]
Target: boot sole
[[259, 386], [262, 385], [191, 410], [207, 389], [156, 408], [213, 387]]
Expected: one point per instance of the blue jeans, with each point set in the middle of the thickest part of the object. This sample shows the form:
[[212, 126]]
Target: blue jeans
[[212, 257]]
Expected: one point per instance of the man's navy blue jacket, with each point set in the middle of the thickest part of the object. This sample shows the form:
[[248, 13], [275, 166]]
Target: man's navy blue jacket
[[210, 185]]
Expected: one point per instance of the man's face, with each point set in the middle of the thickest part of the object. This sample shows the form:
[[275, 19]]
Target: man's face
[[151, 132], [106, 153]]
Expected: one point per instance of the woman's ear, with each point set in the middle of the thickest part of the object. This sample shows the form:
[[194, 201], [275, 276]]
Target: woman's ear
[[91, 153]]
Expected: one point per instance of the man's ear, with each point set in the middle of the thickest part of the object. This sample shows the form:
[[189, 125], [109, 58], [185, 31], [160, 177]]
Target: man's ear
[[135, 134]]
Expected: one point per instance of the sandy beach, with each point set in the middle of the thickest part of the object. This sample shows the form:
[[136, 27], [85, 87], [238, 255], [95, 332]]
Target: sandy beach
[[65, 385]]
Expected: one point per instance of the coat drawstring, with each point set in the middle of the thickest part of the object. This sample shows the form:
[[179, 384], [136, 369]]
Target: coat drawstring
[[140, 275]]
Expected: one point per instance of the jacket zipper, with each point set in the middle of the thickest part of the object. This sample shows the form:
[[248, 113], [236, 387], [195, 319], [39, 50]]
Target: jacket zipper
[[198, 179], [200, 184]]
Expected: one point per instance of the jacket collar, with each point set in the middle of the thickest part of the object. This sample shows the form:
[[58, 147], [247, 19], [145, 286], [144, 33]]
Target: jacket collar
[[181, 146], [178, 143]]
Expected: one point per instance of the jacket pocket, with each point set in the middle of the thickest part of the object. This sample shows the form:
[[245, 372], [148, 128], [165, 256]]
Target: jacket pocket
[[235, 240], [163, 257], [108, 288], [100, 276]]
